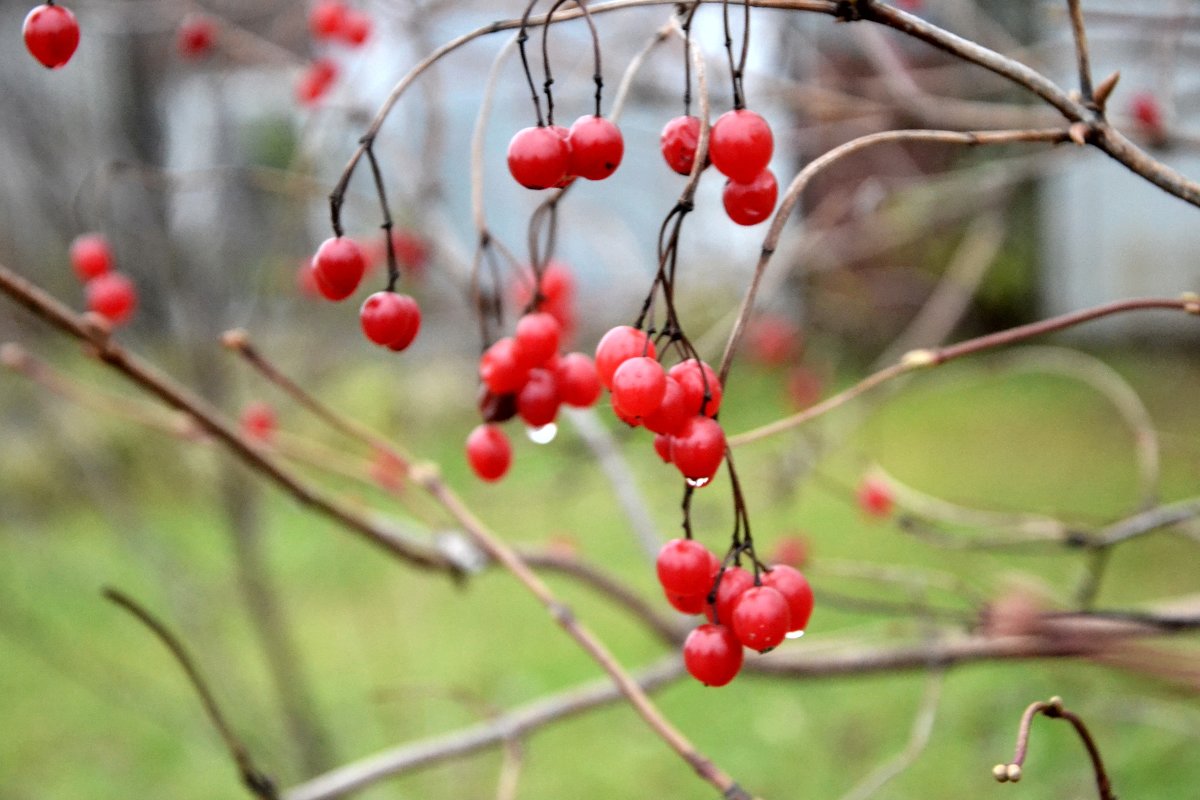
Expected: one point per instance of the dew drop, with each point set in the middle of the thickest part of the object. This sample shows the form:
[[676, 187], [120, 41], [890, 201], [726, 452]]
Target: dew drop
[[543, 435], [697, 483], [793, 634]]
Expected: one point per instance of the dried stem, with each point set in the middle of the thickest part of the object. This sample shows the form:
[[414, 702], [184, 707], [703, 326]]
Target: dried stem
[[1054, 710], [1082, 58]]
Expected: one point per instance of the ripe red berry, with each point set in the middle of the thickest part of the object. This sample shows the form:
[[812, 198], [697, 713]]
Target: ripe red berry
[[259, 421], [306, 280], [733, 582], [638, 386], [412, 251], [774, 340], [761, 618], [112, 296], [596, 147], [489, 452], [196, 36], [790, 551], [740, 145], [565, 135], [355, 28], [391, 320], [632, 420], [316, 81], [751, 203], [679, 140], [662, 446], [578, 384], [538, 399], [712, 655], [671, 413], [51, 35], [875, 497], [618, 346], [795, 589], [500, 369], [685, 567], [537, 158], [687, 604], [327, 18], [338, 267], [537, 338], [696, 378], [698, 448], [91, 256]]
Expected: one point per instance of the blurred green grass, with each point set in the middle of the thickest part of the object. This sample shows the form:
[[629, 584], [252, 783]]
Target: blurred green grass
[[92, 707]]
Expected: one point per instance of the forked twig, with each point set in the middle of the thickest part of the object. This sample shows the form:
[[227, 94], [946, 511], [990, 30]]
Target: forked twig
[[1011, 772]]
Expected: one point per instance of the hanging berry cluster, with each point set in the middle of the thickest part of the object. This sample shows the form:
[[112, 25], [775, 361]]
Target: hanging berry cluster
[[108, 293], [51, 35], [330, 22]]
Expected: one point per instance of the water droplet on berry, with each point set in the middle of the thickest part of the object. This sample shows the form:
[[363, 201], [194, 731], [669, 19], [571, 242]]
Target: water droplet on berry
[[542, 435], [697, 483], [793, 634]]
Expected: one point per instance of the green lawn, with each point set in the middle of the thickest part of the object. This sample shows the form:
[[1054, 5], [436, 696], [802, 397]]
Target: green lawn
[[92, 707]]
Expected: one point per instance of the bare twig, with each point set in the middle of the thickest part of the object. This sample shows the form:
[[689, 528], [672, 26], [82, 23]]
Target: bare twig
[[1054, 710], [1082, 59]]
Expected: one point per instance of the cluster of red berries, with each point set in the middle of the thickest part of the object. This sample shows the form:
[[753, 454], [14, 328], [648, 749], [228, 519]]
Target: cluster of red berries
[[677, 405], [109, 294], [551, 156], [527, 375], [756, 610], [740, 147], [51, 35], [389, 319], [330, 21]]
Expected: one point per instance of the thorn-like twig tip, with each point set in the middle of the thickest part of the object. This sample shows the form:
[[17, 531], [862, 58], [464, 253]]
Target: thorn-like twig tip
[[1078, 133], [1105, 88], [235, 339], [1191, 302]]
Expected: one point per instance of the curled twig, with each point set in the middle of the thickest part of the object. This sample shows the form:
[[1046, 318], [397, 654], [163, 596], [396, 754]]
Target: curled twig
[[1011, 772]]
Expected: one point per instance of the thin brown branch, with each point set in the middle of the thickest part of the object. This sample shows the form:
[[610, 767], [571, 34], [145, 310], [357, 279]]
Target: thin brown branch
[[254, 779], [1082, 59], [1054, 710]]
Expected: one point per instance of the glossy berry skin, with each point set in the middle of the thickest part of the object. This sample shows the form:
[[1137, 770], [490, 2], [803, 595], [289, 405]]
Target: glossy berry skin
[[112, 296], [537, 158], [51, 35], [316, 81], [565, 135], [638, 386], [662, 446], [537, 338], [712, 655], [355, 28], [91, 256], [875, 498], [671, 413], [259, 421], [390, 320], [632, 420], [327, 19], [740, 145], [686, 604], [578, 384], [538, 400], [685, 567], [500, 369], [338, 267], [733, 582], [618, 346], [761, 618], [751, 203], [794, 587], [698, 448], [679, 140], [694, 378], [196, 36], [489, 452], [596, 148]]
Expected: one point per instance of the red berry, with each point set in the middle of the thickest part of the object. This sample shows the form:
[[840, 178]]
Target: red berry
[[875, 497], [316, 81], [196, 36], [355, 28], [500, 369], [774, 340], [391, 320], [638, 386], [618, 346], [687, 604], [696, 378], [751, 203], [412, 251], [698, 448], [537, 158], [712, 655], [596, 147], [803, 387], [327, 18], [538, 400], [91, 256], [112, 296], [259, 421], [557, 282], [578, 384], [338, 267], [794, 587], [632, 420], [489, 452], [790, 551], [662, 446], [51, 35], [740, 145], [761, 618], [306, 280], [685, 567], [679, 140], [733, 582], [671, 413], [537, 338], [564, 134]]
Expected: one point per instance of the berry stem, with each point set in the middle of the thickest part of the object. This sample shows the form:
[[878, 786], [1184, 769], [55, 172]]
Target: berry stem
[[522, 38], [392, 266]]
